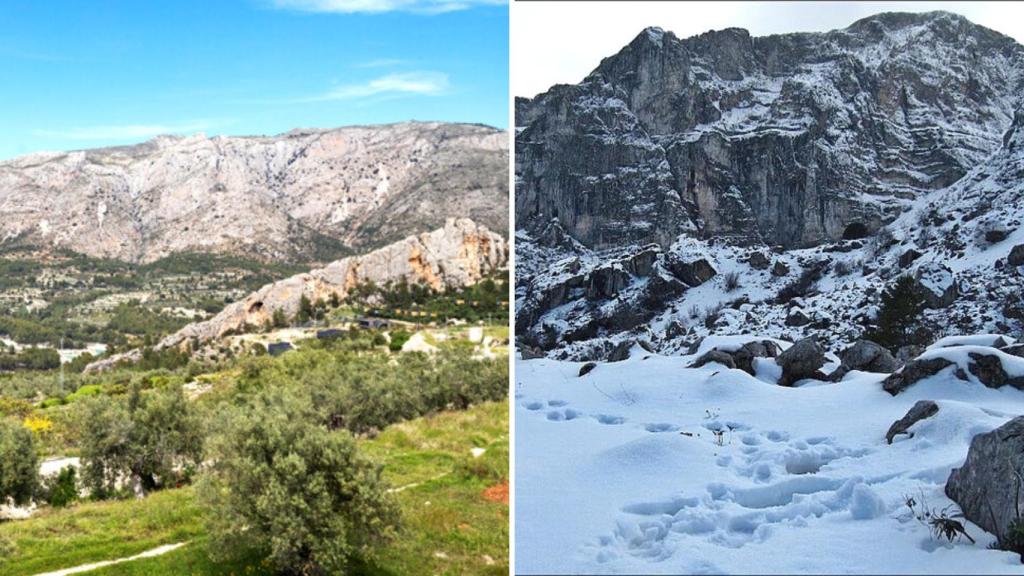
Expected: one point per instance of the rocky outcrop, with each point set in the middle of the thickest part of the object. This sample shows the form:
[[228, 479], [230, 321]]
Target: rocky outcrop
[[866, 356], [988, 487], [802, 360], [921, 410], [458, 255], [304, 195]]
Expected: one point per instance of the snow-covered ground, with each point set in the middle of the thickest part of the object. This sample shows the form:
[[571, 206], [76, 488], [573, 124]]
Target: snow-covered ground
[[646, 466]]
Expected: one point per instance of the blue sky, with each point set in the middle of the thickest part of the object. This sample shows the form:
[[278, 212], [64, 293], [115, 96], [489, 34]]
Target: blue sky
[[79, 74]]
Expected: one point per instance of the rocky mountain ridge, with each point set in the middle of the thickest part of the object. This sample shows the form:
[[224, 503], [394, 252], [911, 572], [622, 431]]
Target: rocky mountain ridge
[[959, 232], [304, 195], [457, 255], [785, 140]]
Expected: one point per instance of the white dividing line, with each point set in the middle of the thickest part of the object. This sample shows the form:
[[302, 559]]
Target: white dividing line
[[159, 551]]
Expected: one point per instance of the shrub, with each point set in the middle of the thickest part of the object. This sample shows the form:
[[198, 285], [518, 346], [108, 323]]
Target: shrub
[[61, 489], [802, 285], [19, 465], [732, 281], [284, 485], [398, 339]]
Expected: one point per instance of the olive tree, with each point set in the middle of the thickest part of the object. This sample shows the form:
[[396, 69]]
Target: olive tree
[[284, 484], [149, 438]]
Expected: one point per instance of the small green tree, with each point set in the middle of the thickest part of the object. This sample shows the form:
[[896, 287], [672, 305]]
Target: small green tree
[[899, 316], [306, 312], [283, 484], [19, 465], [279, 319]]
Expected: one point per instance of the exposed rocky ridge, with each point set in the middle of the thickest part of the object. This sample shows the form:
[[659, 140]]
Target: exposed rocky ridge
[[786, 139], [961, 242], [460, 254], [299, 195]]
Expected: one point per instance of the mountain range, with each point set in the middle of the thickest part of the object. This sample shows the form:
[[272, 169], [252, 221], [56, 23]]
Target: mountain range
[[306, 195]]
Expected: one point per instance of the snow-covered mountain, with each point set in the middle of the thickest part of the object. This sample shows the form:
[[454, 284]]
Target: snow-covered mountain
[[306, 194], [725, 184]]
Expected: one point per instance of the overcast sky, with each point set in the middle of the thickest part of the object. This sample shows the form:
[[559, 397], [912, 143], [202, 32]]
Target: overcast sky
[[562, 42]]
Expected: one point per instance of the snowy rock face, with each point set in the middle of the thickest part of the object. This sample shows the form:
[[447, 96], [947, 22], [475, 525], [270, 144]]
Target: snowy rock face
[[790, 140], [460, 254], [915, 140], [292, 196]]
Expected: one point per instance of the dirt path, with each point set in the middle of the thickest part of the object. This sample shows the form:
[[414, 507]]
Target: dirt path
[[159, 551]]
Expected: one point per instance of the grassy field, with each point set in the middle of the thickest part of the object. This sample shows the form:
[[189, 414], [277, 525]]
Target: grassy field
[[456, 521]]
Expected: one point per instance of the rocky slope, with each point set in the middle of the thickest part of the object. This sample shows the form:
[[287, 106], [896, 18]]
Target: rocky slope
[[460, 254], [946, 205], [302, 195], [789, 140]]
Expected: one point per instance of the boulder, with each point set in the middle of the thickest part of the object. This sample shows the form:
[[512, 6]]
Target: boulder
[[913, 372], [866, 356], [908, 257], [621, 351], [692, 273], [797, 317], [919, 411], [606, 282], [586, 368], [529, 352], [714, 355], [759, 261], [742, 358], [996, 235], [780, 268], [803, 359], [987, 487], [1016, 257]]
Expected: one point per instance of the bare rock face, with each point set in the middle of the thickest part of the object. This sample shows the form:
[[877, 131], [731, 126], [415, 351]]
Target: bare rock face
[[298, 195], [986, 487], [791, 140], [460, 254]]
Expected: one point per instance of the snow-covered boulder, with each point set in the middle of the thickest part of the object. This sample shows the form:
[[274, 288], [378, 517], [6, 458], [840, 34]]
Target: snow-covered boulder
[[865, 356], [993, 340], [986, 365], [741, 357], [986, 487], [803, 359]]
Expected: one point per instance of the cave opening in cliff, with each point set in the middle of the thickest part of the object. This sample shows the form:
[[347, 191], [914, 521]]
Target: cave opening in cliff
[[855, 231]]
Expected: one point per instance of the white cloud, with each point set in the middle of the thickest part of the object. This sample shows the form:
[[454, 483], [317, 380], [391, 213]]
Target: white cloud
[[124, 131], [380, 63], [379, 6], [408, 83], [546, 51]]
